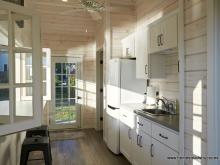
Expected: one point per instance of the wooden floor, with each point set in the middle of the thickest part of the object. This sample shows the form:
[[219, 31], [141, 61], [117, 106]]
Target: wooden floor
[[85, 148]]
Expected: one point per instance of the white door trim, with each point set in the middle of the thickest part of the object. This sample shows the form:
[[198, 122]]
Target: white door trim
[[62, 59], [213, 80]]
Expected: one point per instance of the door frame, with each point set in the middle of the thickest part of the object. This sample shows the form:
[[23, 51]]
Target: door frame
[[213, 79], [52, 125], [99, 86]]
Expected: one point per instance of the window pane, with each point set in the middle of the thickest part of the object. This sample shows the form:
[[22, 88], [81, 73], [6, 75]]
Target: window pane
[[3, 28], [29, 92], [58, 102], [72, 81], [4, 104], [65, 80], [65, 92], [58, 93], [58, 68], [23, 68], [58, 80], [23, 103], [72, 69], [65, 68], [22, 30], [3, 67], [72, 101], [72, 93]]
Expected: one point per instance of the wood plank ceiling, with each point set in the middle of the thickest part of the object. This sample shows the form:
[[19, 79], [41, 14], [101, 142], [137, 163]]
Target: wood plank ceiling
[[59, 17]]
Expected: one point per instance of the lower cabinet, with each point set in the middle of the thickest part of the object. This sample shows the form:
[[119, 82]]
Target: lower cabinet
[[125, 140], [141, 145], [161, 154], [148, 143]]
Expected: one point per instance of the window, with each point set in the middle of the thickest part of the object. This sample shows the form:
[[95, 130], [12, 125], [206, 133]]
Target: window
[[25, 67], [20, 97]]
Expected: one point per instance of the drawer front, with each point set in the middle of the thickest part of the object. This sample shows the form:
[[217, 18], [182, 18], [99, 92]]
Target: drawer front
[[128, 118], [143, 124], [165, 136]]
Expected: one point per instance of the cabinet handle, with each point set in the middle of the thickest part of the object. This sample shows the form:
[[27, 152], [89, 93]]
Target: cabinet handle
[[158, 40], [146, 69], [129, 133], [151, 150], [124, 115], [140, 141], [140, 124], [161, 40], [165, 137]]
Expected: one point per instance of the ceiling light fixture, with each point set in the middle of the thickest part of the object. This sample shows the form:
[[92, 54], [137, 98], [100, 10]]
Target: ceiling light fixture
[[92, 5]]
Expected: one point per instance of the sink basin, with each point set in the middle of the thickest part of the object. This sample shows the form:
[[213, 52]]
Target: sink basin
[[156, 112]]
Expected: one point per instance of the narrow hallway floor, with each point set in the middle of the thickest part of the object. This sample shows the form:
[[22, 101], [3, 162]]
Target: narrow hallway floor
[[82, 147]]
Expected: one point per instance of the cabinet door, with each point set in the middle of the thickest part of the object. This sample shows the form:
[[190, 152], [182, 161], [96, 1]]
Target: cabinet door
[[128, 45], [169, 33], [160, 154], [125, 140], [141, 46], [155, 32], [141, 145]]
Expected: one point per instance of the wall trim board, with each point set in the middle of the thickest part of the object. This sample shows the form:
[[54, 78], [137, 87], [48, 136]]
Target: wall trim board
[[213, 77]]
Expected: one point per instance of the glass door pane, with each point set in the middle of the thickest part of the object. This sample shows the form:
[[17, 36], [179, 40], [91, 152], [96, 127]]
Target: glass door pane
[[66, 109]]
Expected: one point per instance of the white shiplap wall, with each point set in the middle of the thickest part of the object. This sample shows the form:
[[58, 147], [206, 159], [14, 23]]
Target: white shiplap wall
[[195, 79]]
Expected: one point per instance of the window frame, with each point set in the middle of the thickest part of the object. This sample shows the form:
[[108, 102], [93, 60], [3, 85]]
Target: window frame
[[16, 126]]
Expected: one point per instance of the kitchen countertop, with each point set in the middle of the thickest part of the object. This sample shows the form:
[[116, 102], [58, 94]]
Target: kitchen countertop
[[169, 121]]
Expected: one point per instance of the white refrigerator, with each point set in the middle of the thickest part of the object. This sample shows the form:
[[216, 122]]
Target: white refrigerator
[[122, 88]]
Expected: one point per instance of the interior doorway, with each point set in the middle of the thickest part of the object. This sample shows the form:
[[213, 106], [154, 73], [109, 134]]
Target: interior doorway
[[66, 73], [99, 89]]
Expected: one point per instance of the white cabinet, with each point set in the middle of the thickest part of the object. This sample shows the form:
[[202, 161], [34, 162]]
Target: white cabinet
[[125, 140], [154, 38], [147, 66], [161, 154], [163, 34], [165, 136], [128, 46], [144, 142], [141, 145], [141, 42], [169, 37]]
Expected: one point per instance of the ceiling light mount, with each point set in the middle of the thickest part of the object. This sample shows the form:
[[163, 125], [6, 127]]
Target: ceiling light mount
[[92, 5]]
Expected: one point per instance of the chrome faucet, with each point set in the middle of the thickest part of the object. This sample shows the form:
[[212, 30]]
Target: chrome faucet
[[168, 105]]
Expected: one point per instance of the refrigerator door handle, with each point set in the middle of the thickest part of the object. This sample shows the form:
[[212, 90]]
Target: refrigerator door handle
[[111, 107]]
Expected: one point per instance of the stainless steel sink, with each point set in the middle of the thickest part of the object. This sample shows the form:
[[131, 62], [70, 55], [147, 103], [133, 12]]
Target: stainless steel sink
[[155, 112]]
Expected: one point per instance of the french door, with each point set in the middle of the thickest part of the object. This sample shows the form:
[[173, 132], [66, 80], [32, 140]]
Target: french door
[[66, 93]]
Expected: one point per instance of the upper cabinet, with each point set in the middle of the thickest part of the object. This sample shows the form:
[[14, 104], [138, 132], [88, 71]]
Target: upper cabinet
[[163, 34], [128, 46], [141, 53], [147, 67]]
